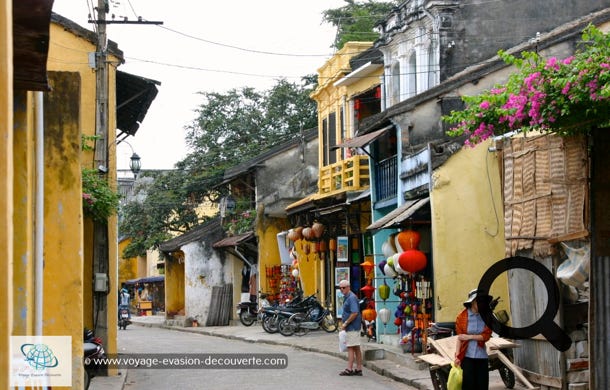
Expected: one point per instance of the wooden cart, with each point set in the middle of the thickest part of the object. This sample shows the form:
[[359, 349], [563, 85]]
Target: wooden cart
[[498, 349]]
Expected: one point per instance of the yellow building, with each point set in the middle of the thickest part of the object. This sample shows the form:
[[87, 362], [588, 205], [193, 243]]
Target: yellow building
[[348, 92], [47, 242]]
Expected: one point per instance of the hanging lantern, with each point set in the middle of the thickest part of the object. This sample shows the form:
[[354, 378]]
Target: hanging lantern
[[384, 291], [367, 267], [369, 314], [323, 246], [408, 239], [384, 315], [412, 260], [295, 273], [299, 231], [389, 271], [318, 229], [368, 291], [332, 244], [387, 249], [307, 233], [381, 266]]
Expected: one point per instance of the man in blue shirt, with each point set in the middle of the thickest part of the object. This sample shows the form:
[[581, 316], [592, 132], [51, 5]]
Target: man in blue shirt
[[351, 322]]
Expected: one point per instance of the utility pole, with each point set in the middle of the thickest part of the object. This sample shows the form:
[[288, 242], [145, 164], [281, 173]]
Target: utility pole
[[101, 261], [101, 68]]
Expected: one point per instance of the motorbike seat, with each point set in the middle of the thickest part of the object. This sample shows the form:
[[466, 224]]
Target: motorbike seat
[[90, 348]]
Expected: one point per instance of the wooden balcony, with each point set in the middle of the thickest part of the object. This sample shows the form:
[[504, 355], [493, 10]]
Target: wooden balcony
[[351, 174]]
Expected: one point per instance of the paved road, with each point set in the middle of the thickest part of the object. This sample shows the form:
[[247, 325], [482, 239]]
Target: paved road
[[306, 370]]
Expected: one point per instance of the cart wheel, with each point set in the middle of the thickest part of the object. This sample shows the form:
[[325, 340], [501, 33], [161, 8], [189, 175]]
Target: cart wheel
[[508, 377], [439, 378]]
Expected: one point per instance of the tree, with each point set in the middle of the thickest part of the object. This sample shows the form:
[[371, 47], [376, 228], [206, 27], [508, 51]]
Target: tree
[[230, 128], [355, 21], [567, 97]]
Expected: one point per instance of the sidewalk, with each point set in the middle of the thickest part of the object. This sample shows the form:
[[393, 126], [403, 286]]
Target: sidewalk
[[385, 359]]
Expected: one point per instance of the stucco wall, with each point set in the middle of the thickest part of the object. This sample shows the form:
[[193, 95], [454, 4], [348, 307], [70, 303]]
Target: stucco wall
[[467, 226], [204, 269]]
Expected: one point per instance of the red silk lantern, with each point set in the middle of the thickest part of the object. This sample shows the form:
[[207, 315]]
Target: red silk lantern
[[368, 290], [412, 260], [408, 239]]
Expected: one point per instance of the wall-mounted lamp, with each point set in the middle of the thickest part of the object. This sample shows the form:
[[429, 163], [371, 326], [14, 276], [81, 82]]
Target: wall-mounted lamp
[[135, 163]]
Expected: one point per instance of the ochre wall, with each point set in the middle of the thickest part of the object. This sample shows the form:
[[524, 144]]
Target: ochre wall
[[6, 186], [63, 227], [174, 285], [467, 228]]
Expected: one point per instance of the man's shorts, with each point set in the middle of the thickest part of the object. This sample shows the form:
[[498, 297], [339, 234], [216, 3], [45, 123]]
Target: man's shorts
[[353, 338]]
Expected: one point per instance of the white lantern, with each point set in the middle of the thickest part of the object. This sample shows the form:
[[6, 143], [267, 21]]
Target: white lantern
[[384, 315], [295, 273]]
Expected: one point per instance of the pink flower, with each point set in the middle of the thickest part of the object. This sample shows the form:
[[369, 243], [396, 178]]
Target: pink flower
[[484, 105], [568, 61], [552, 64]]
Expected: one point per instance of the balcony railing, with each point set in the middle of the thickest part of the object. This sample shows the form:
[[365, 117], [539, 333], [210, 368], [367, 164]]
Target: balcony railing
[[351, 174], [386, 179]]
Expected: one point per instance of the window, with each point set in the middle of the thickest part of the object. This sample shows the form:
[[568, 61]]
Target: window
[[412, 84], [396, 83]]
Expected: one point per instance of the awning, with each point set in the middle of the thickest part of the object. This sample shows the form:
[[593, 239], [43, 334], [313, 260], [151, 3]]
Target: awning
[[233, 240], [395, 217], [134, 95], [149, 279], [364, 140]]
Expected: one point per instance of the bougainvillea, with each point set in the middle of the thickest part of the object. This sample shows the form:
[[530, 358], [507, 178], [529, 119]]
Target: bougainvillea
[[100, 201], [567, 96]]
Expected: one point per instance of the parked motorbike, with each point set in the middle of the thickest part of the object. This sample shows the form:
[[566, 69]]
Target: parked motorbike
[[94, 356], [316, 317], [272, 315], [124, 317], [441, 330], [249, 311]]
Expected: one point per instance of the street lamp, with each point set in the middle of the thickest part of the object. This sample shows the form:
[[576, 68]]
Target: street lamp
[[134, 164]]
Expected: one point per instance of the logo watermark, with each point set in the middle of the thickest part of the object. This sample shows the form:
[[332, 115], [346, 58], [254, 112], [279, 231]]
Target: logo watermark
[[195, 361], [41, 360]]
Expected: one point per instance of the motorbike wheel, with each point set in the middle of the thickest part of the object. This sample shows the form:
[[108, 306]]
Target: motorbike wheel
[[286, 327], [86, 380], [508, 377], [270, 324], [246, 318], [329, 323], [439, 378]]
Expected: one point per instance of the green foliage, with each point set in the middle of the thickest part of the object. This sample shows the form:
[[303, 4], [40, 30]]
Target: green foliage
[[230, 128], [240, 124], [567, 97], [160, 206], [355, 21], [240, 220], [99, 200]]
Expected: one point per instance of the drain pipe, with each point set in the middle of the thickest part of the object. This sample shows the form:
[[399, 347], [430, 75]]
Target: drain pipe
[[39, 212], [241, 256]]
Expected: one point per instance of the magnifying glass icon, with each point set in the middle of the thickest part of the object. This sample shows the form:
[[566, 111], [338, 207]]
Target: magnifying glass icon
[[545, 324]]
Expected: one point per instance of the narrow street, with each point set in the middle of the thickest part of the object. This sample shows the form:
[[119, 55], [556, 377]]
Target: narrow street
[[305, 370]]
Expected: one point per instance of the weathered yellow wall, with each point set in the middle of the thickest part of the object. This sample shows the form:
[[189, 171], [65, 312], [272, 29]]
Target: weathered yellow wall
[[467, 228], [23, 225], [63, 228], [69, 53], [127, 266], [174, 285], [6, 186]]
